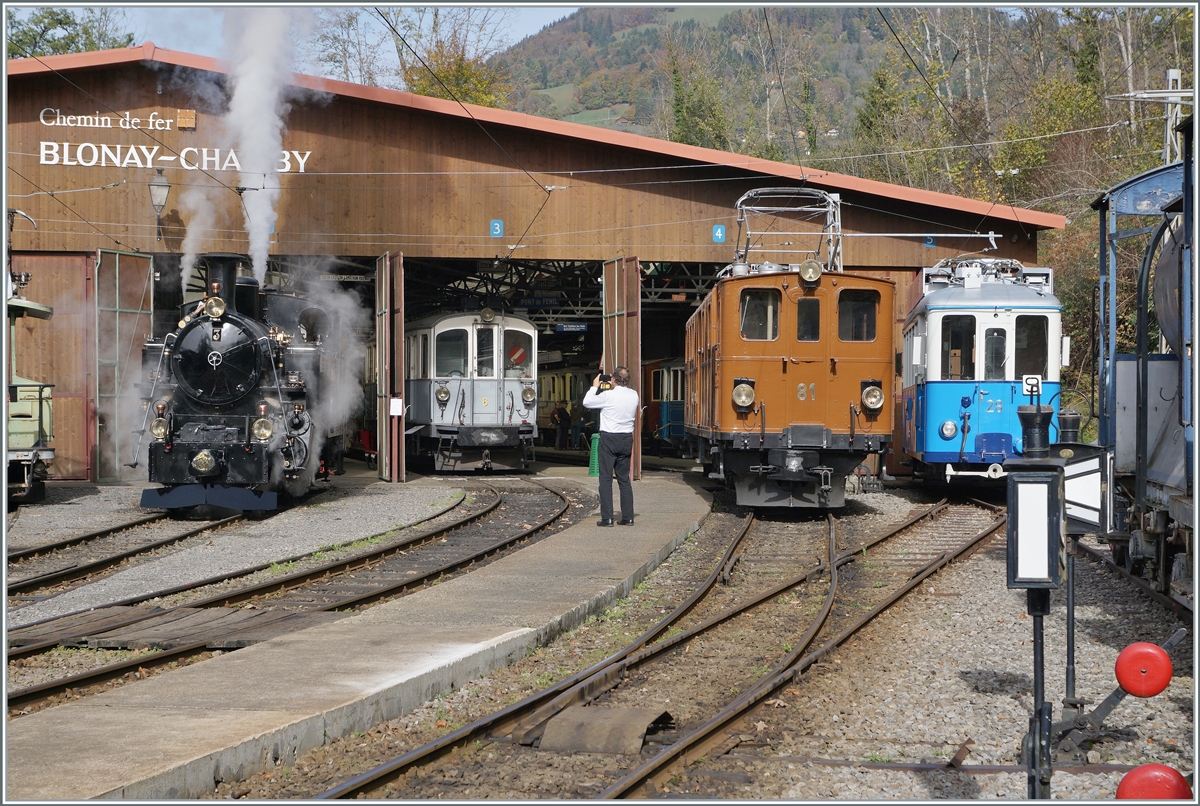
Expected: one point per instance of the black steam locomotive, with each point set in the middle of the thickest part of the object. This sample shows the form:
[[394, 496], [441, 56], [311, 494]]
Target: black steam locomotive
[[232, 396]]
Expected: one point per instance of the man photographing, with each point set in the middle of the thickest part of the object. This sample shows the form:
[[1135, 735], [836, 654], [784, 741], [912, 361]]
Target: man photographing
[[618, 410]]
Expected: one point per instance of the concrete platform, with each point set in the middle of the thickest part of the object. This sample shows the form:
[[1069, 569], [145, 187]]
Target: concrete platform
[[177, 735]]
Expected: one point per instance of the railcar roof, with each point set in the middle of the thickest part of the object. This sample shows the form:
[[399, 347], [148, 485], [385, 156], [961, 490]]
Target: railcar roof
[[986, 297], [432, 320]]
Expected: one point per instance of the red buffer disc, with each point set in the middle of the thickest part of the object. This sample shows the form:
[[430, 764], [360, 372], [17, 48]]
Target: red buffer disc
[[1143, 669], [1154, 782], [517, 354]]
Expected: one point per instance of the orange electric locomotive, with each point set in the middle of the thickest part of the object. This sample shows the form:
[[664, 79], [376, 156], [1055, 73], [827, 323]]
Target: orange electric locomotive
[[789, 364]]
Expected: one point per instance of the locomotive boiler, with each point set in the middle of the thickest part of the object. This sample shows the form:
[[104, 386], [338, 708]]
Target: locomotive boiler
[[233, 396], [789, 361]]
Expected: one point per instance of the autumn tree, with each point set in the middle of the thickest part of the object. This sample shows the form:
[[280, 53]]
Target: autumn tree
[[51, 31]]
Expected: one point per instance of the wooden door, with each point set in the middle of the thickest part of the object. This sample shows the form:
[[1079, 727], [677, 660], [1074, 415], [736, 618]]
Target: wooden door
[[622, 307], [124, 304], [389, 363]]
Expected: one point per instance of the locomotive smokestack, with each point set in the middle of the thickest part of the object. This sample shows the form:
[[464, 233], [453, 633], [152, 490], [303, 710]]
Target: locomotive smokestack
[[222, 277]]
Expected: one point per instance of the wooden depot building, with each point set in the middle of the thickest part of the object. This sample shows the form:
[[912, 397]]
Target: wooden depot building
[[471, 200]]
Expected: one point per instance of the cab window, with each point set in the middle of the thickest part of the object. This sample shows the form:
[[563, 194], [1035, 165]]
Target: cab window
[[958, 348], [857, 310], [995, 347], [1032, 345], [808, 319], [518, 354], [760, 314], [485, 350], [451, 353]]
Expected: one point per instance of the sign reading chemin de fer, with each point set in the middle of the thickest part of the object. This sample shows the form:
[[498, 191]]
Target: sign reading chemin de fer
[[125, 156]]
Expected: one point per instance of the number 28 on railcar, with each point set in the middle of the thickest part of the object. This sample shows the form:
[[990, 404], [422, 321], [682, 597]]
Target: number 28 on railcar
[[472, 388], [981, 331], [788, 373]]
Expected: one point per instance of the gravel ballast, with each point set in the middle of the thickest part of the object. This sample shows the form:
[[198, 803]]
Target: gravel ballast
[[337, 516], [951, 662]]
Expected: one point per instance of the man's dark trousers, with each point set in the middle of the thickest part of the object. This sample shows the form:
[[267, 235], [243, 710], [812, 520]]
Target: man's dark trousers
[[614, 455]]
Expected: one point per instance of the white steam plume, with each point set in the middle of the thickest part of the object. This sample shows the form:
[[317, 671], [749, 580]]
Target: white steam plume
[[201, 211], [262, 52]]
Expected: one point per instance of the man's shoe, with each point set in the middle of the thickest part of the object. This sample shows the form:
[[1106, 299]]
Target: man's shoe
[[604, 522], [625, 523]]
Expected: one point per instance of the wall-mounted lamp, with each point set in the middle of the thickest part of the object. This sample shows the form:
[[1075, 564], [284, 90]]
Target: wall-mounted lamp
[[159, 188]]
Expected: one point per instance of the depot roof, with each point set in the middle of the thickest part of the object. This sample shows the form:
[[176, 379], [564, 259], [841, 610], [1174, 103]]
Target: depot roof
[[148, 52]]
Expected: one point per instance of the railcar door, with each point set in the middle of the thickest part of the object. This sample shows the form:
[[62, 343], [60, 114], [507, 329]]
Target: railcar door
[[389, 351], [124, 305], [622, 308], [485, 404]]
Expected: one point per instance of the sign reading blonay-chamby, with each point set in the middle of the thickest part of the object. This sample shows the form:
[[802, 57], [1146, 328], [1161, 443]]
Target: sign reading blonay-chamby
[[96, 154]]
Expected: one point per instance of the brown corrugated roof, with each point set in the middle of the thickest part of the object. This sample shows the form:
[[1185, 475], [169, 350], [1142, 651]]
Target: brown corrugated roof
[[826, 179]]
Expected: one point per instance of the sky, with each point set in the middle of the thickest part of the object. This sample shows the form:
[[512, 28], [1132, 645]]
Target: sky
[[198, 30]]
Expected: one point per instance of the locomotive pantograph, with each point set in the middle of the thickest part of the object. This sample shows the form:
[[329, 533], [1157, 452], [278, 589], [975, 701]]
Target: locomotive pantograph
[[789, 361]]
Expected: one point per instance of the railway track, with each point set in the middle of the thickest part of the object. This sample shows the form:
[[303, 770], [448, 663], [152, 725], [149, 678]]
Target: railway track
[[37, 571], [780, 599], [328, 590]]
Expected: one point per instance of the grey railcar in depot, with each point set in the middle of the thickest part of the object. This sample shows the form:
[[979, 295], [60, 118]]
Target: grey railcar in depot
[[470, 390]]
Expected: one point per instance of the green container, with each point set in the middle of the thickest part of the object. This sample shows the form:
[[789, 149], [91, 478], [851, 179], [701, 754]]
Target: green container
[[594, 462]]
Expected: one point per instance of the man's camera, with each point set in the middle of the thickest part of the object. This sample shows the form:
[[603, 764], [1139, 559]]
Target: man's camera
[[605, 381]]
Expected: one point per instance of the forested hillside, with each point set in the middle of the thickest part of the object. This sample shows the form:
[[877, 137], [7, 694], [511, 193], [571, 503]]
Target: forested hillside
[[1023, 106]]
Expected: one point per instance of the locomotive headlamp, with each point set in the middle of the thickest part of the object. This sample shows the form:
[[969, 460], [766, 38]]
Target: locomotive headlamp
[[528, 395], [743, 394], [204, 463], [810, 271], [872, 396], [214, 307], [949, 429], [442, 394], [262, 429], [158, 428], [487, 314]]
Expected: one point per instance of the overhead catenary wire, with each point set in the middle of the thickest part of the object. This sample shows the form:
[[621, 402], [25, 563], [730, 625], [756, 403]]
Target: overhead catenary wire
[[985, 158], [68, 208], [546, 189]]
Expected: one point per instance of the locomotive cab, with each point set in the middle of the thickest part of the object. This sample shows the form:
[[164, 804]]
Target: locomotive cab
[[986, 333]]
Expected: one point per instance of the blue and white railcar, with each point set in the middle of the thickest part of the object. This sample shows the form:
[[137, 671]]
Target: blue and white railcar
[[983, 329], [471, 388]]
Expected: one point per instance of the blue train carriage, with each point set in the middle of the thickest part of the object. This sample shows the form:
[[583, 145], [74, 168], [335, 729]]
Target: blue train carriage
[[30, 422], [662, 418], [471, 386], [983, 328]]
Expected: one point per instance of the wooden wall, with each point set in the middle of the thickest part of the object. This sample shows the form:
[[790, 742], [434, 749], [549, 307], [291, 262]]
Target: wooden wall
[[59, 351], [385, 177]]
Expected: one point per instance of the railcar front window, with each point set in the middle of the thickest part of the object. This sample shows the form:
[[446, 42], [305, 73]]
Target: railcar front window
[[518, 354], [995, 347], [958, 348], [857, 310], [760, 314], [1033, 345], [808, 319], [485, 352], [451, 353]]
